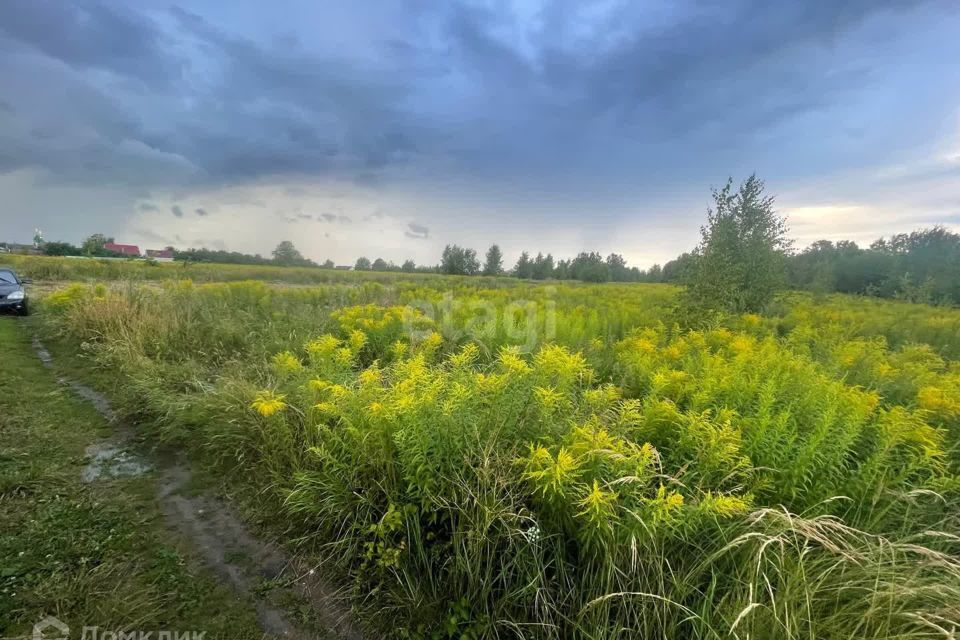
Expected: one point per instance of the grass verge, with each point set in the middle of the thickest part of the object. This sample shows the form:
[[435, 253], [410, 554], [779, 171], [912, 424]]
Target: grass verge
[[89, 554]]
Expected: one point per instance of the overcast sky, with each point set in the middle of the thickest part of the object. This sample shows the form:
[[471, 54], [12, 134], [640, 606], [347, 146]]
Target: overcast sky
[[389, 129]]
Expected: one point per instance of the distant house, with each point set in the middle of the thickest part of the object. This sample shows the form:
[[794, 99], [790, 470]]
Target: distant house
[[23, 249], [161, 255], [125, 249]]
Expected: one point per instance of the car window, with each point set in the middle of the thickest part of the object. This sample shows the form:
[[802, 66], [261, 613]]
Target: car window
[[7, 277]]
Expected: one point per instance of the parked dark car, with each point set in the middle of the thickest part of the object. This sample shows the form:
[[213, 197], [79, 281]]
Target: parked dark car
[[13, 295]]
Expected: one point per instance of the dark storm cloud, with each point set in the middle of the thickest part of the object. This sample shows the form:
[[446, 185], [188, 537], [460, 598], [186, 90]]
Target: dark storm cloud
[[693, 73], [417, 231], [201, 212], [655, 84], [91, 35], [321, 112], [177, 211], [187, 101], [270, 110]]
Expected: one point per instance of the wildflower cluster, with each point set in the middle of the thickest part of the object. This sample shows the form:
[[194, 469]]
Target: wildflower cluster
[[537, 464]]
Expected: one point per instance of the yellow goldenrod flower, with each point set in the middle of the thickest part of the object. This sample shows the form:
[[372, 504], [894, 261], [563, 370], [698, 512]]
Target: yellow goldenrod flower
[[344, 356], [326, 407], [337, 391], [741, 344], [724, 505], [286, 363], [549, 399], [752, 320], [432, 343], [318, 385], [357, 340], [466, 357], [938, 402], [322, 347], [268, 403], [399, 349], [371, 376], [512, 362], [598, 506], [665, 505]]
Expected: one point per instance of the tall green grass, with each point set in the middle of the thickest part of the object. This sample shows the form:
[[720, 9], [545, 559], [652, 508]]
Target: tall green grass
[[612, 477], [102, 269]]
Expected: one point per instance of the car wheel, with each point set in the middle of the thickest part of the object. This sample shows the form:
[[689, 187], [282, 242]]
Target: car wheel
[[24, 310]]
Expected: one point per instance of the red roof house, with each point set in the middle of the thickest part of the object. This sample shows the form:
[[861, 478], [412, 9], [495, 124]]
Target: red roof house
[[125, 249]]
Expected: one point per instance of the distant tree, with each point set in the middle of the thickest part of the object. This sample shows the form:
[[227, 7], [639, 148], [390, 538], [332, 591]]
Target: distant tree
[[380, 265], [542, 267], [589, 267], [218, 256], [459, 261], [328, 264], [524, 267], [61, 249], [741, 259], [814, 268], [679, 269], [94, 245], [653, 274], [921, 266], [363, 264], [409, 266], [930, 260], [618, 268], [287, 255], [493, 266]]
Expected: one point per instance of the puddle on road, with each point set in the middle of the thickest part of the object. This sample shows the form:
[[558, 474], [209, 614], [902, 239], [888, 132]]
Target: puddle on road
[[97, 399], [45, 358], [106, 460], [213, 530]]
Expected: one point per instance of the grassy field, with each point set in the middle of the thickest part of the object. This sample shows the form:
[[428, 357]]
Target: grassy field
[[91, 554], [110, 269], [498, 458]]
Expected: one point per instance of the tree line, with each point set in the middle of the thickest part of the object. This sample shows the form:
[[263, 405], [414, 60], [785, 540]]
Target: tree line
[[744, 257], [285, 254], [922, 266], [586, 266]]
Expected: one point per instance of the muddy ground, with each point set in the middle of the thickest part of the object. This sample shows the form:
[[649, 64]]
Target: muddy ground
[[214, 534]]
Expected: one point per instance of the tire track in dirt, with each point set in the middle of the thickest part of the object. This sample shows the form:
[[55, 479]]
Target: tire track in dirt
[[214, 533]]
